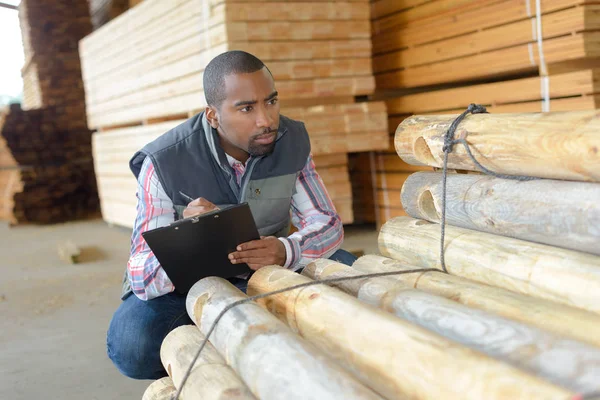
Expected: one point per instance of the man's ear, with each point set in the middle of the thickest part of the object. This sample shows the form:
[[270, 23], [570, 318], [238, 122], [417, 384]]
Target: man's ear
[[212, 117]]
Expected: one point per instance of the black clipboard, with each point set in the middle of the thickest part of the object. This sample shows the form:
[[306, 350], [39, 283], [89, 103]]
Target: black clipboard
[[193, 248]]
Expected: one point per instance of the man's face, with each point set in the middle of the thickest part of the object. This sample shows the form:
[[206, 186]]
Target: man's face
[[249, 116]]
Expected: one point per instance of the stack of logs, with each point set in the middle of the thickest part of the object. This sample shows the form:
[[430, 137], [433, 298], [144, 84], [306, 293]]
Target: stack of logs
[[431, 57], [516, 316], [46, 168], [143, 75]]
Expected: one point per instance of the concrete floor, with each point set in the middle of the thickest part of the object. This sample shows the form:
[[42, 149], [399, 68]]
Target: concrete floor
[[55, 314]]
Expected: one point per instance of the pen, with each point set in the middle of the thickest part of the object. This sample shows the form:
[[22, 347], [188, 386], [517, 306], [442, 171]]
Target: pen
[[186, 196]]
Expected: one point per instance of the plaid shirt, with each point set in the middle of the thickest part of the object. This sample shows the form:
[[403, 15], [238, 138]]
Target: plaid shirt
[[319, 234]]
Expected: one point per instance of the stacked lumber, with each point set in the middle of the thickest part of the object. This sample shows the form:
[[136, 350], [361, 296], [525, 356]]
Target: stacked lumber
[[434, 57], [46, 171], [140, 86], [52, 71], [46, 168], [439, 42]]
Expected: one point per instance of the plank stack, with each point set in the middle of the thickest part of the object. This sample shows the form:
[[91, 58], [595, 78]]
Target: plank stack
[[516, 316], [434, 57], [143, 76], [46, 168]]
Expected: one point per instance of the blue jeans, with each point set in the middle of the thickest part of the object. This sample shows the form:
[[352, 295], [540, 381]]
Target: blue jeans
[[138, 328]]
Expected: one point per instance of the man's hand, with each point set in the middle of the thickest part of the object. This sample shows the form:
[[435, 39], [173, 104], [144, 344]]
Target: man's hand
[[259, 253], [198, 207]]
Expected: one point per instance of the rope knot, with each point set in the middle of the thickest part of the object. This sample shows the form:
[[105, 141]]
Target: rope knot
[[449, 141]]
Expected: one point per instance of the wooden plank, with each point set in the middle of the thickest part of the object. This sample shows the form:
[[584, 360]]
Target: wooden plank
[[294, 11], [496, 63], [555, 24], [284, 30], [427, 10], [479, 15], [513, 91]]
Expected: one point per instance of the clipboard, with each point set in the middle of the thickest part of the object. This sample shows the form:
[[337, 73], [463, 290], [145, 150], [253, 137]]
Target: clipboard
[[196, 247]]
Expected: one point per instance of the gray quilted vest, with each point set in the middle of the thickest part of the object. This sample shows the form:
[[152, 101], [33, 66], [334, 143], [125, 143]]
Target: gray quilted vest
[[189, 159]]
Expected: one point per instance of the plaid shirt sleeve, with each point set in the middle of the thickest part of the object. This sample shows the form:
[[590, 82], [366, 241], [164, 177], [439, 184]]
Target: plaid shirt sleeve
[[320, 231], [154, 209]]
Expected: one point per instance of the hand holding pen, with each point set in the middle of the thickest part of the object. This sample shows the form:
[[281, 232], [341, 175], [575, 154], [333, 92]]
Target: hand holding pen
[[197, 206]]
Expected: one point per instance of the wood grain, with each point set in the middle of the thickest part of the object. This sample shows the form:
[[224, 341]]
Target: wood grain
[[395, 357], [568, 363], [557, 213], [210, 377], [561, 145], [273, 361]]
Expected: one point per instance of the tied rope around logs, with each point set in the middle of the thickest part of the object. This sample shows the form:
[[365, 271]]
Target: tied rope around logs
[[263, 295], [449, 143]]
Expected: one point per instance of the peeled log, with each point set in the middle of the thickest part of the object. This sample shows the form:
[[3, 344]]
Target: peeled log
[[557, 213], [557, 318], [211, 377], [396, 357], [567, 363], [557, 145], [274, 362], [161, 389], [564, 276]]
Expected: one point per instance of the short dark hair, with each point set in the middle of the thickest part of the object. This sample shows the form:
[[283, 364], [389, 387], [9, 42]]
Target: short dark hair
[[230, 62]]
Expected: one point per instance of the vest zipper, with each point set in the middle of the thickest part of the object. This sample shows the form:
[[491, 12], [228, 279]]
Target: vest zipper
[[246, 178]]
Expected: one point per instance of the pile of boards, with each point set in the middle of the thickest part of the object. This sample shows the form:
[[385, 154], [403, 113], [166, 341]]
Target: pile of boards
[[434, 57], [143, 75], [46, 167], [515, 317]]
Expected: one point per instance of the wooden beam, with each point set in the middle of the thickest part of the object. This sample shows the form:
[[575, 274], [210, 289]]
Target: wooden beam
[[566, 145], [518, 344], [547, 315], [388, 353], [273, 361]]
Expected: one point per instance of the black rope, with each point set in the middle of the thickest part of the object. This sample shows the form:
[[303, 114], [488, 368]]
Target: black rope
[[263, 295], [449, 143]]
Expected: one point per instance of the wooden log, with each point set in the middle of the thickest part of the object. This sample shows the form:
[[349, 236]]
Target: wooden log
[[557, 213], [211, 377], [161, 389], [553, 317], [273, 361], [562, 145], [394, 356], [563, 276], [565, 362]]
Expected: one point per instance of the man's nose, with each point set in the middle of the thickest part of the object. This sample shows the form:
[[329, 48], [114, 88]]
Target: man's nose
[[263, 118]]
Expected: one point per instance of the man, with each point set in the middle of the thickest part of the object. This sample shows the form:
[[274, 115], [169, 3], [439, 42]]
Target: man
[[238, 150]]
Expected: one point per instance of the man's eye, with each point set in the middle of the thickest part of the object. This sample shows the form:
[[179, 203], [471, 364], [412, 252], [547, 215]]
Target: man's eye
[[246, 109], [273, 101]]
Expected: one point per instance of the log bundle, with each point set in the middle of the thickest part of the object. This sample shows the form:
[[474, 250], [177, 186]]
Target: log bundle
[[46, 170], [437, 57], [46, 166], [515, 314], [140, 86], [51, 31]]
